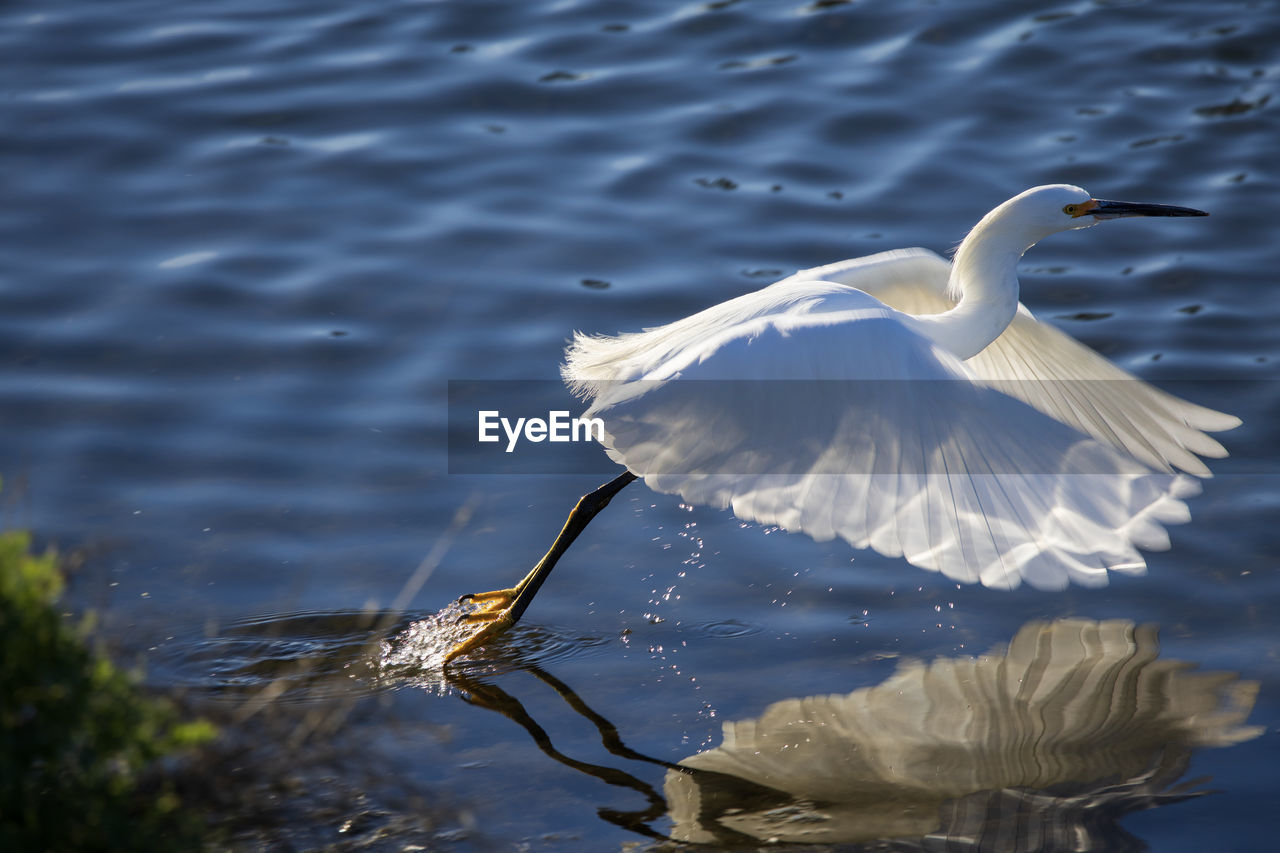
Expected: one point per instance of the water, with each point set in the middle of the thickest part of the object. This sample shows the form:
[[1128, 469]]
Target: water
[[246, 247]]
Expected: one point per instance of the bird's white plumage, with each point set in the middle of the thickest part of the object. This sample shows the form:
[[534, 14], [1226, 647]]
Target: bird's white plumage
[[848, 401], [1045, 367]]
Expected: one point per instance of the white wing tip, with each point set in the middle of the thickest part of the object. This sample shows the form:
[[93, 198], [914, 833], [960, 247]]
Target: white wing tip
[[1210, 420]]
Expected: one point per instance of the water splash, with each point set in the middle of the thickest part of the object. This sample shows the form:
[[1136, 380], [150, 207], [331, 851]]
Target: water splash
[[417, 654]]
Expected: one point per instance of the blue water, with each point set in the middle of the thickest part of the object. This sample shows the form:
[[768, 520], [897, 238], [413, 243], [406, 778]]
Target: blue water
[[245, 247]]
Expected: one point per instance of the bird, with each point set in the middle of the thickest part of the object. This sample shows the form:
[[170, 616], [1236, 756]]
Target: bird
[[903, 403]]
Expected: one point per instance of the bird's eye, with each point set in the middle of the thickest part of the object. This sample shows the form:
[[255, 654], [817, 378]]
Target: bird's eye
[[1069, 210]]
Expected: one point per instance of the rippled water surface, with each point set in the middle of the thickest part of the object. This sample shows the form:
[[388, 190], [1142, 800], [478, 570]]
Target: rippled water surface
[[244, 247]]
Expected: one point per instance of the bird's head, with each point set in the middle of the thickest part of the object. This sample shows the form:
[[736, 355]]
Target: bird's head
[[1062, 207]]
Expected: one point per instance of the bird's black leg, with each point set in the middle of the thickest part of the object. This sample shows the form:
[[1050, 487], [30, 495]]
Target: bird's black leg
[[502, 608]]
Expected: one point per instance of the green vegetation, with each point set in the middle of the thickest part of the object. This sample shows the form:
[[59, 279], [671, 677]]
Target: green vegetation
[[80, 743]]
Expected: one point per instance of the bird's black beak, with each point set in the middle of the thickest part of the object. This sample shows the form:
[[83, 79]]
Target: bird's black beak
[[1104, 209]]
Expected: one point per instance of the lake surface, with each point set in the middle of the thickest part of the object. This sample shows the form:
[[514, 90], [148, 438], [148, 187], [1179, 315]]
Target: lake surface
[[245, 248]]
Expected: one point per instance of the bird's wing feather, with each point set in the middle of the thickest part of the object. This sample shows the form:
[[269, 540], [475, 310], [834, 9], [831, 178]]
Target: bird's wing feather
[[594, 361], [1047, 369], [851, 424]]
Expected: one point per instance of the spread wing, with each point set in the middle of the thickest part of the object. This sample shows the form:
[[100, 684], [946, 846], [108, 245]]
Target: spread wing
[[1045, 368], [593, 362], [828, 414]]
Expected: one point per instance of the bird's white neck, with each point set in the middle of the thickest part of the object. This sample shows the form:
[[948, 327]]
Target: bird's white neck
[[984, 279]]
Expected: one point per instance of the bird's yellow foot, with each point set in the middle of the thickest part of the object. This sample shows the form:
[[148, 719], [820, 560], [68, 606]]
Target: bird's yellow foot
[[493, 616], [489, 602]]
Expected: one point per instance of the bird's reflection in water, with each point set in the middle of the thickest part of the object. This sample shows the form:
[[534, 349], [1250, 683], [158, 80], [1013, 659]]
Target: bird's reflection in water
[[1040, 746], [478, 692]]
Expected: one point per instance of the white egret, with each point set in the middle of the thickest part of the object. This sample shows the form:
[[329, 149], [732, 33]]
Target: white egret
[[904, 404]]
